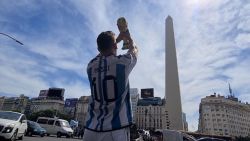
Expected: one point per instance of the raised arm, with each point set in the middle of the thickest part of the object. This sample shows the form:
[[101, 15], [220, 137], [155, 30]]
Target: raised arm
[[132, 48]]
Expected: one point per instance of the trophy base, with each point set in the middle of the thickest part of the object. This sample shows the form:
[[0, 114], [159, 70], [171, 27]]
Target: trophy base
[[125, 46]]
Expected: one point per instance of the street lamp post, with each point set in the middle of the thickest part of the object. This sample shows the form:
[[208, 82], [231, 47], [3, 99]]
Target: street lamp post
[[12, 38]]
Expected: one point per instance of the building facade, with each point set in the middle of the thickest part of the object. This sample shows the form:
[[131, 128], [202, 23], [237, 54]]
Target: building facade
[[37, 105], [1, 102], [134, 96], [185, 123], [82, 109], [28, 111], [51, 99], [15, 103], [219, 115], [151, 114]]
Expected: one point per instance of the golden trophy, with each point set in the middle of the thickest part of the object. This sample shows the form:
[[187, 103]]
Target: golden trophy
[[123, 27]]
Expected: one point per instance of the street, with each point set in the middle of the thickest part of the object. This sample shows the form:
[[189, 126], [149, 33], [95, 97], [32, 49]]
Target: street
[[50, 138]]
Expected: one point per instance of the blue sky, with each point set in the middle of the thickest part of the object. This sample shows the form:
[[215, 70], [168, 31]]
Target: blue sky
[[212, 43]]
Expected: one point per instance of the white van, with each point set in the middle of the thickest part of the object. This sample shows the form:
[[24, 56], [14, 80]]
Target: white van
[[55, 126]]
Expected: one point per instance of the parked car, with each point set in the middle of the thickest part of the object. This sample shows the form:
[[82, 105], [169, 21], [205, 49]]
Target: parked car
[[56, 126], [13, 125], [35, 129], [210, 139]]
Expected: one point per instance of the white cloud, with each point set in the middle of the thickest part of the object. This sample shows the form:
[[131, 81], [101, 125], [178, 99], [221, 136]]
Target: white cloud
[[73, 90], [16, 82], [97, 13], [242, 40], [243, 25]]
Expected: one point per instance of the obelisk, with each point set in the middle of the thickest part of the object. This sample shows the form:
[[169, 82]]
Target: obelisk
[[172, 89]]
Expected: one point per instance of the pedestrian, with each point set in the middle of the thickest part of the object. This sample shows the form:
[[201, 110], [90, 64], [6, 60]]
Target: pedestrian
[[82, 133], [109, 114], [79, 132]]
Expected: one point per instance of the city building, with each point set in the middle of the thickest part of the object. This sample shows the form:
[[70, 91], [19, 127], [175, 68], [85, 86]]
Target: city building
[[15, 103], [52, 99], [185, 123], [219, 115], [27, 110], [172, 90], [82, 109], [46, 104], [151, 114], [1, 102], [134, 96]]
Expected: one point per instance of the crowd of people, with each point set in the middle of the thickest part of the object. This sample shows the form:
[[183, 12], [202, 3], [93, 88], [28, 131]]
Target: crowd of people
[[78, 132]]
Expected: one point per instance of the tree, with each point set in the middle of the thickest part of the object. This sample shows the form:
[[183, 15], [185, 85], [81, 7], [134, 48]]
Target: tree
[[43, 113], [16, 110], [48, 113]]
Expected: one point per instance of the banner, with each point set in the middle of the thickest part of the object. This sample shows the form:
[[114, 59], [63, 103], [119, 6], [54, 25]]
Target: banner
[[71, 102]]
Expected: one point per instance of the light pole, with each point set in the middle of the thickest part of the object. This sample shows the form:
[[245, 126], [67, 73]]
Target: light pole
[[12, 38]]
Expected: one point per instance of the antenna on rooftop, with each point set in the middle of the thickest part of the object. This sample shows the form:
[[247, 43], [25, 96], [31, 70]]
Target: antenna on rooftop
[[230, 90], [213, 91]]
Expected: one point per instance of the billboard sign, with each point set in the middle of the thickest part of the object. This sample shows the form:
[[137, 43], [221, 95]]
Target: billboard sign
[[71, 102], [43, 93], [146, 93]]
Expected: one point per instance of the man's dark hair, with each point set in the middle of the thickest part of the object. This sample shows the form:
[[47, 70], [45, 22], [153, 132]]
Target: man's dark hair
[[105, 41]]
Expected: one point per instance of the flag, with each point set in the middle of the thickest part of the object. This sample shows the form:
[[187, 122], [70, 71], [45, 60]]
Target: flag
[[73, 123]]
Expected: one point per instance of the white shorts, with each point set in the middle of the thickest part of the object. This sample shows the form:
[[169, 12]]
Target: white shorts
[[116, 135]]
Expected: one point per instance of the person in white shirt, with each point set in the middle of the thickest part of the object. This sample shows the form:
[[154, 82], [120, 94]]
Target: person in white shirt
[[109, 114]]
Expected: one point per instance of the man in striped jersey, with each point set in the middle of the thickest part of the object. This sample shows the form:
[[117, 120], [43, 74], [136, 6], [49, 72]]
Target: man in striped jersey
[[109, 114]]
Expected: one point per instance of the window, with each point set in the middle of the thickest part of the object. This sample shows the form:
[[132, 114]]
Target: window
[[42, 121], [22, 118], [57, 123], [51, 122]]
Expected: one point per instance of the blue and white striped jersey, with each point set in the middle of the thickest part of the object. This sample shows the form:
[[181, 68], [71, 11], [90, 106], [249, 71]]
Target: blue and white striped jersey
[[109, 104]]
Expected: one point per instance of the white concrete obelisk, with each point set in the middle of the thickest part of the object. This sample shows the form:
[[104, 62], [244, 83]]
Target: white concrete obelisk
[[172, 89]]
